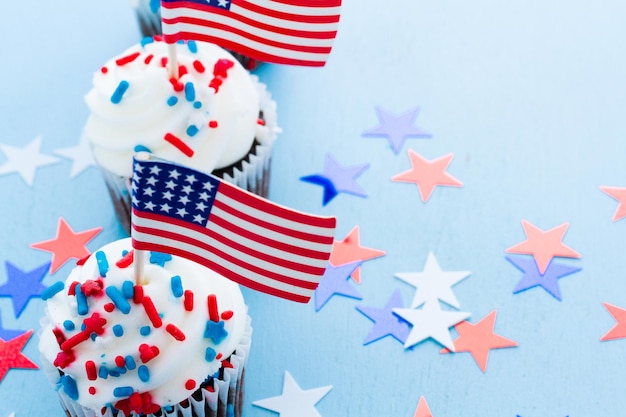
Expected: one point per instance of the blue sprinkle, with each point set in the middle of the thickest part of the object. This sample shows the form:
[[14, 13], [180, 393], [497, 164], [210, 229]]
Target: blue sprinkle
[[158, 258], [118, 330], [81, 302], [177, 286], [93, 336], [168, 408], [181, 42], [155, 5], [69, 386], [210, 354], [103, 263], [103, 372], [141, 148], [197, 104], [172, 101], [193, 46], [130, 362], [144, 331], [119, 92], [123, 391], [128, 289], [52, 290], [118, 299], [190, 92], [143, 373], [114, 372], [120, 371], [215, 331], [147, 40], [192, 130], [69, 325]]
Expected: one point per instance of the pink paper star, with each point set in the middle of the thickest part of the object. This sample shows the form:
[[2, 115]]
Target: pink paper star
[[619, 194], [422, 409], [350, 250], [544, 245], [11, 356], [619, 330], [66, 245], [479, 339], [428, 174]]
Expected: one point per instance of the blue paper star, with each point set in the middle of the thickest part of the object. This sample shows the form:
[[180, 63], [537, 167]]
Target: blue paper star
[[397, 128], [6, 334], [336, 281], [532, 277], [385, 322], [159, 258], [21, 286], [336, 179]]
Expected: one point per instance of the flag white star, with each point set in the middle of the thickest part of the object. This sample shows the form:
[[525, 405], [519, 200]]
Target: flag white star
[[81, 156], [151, 181], [201, 206], [170, 184], [198, 218], [294, 402], [165, 207], [183, 199], [203, 196], [167, 195], [26, 160], [208, 186], [181, 212], [149, 205], [174, 174], [155, 170], [187, 189], [191, 179], [148, 191]]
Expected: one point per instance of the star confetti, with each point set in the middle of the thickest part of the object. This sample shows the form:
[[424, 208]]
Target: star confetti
[[433, 284], [479, 339], [25, 161], [544, 245], [350, 250], [619, 194], [397, 128], [7, 334], [430, 322], [422, 409], [21, 286], [11, 356], [67, 244], [619, 330], [294, 402], [336, 179], [81, 156], [533, 278], [428, 174], [336, 281], [385, 322]]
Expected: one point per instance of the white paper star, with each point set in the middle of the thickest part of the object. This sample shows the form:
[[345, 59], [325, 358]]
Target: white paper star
[[430, 321], [433, 284], [26, 160], [80, 155], [294, 402]]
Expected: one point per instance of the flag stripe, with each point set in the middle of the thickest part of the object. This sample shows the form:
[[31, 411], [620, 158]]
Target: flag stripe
[[310, 4], [289, 14]]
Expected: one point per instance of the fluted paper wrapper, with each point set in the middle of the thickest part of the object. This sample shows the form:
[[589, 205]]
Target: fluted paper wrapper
[[222, 397]]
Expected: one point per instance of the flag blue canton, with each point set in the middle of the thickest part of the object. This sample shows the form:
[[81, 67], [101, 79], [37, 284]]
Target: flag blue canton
[[222, 4], [176, 192]]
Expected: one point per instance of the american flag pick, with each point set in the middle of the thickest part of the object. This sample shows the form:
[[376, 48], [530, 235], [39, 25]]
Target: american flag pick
[[295, 32], [246, 238]]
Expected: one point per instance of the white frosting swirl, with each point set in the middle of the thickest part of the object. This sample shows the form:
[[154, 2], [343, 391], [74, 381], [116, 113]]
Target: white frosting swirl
[[143, 113], [180, 366]]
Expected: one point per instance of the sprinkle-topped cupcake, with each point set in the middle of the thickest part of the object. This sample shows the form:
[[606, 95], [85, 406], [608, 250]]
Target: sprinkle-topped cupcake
[[175, 339], [209, 114]]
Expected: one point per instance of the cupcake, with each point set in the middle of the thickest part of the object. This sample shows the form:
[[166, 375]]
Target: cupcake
[[149, 18], [214, 116], [174, 344]]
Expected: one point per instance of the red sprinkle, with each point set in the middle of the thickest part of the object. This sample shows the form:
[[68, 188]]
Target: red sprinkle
[[175, 332], [227, 315], [182, 70], [63, 359], [188, 300], [90, 368], [109, 307], [119, 361], [82, 261], [221, 67], [94, 324], [148, 59], [147, 353], [226, 364], [214, 314], [177, 85], [213, 124], [127, 260], [164, 61], [190, 384], [127, 59], [151, 311], [104, 70], [179, 144], [59, 335], [72, 289], [197, 65], [92, 287], [260, 122], [92, 390], [218, 356], [137, 294]]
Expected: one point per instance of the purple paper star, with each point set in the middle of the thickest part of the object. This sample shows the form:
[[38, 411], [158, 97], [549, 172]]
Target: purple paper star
[[336, 179], [336, 280], [532, 277], [21, 286], [7, 334], [385, 322], [397, 128]]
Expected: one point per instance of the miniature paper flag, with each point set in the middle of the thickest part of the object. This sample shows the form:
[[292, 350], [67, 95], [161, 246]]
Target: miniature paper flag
[[250, 240], [291, 32]]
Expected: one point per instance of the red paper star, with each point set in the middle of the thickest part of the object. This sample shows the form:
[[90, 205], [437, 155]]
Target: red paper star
[[478, 339], [428, 174], [619, 330], [544, 245], [11, 356], [66, 245], [349, 250], [422, 409], [619, 194]]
